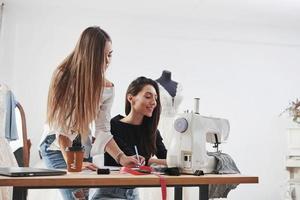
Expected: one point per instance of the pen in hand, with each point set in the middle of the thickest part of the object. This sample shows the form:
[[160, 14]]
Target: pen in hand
[[137, 154]]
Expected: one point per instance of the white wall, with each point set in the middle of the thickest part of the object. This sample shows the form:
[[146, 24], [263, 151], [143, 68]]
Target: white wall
[[242, 59], [5, 64]]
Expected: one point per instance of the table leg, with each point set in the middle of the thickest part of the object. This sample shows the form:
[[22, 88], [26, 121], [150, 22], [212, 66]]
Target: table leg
[[203, 192], [178, 193], [19, 193]]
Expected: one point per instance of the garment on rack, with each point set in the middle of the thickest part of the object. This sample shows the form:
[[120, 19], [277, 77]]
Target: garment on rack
[[225, 165], [8, 124], [7, 159]]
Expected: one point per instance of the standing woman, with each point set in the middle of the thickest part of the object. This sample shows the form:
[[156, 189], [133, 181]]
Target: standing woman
[[78, 95]]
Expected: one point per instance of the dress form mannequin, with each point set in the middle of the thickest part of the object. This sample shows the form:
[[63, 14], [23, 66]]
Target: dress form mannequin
[[170, 95]]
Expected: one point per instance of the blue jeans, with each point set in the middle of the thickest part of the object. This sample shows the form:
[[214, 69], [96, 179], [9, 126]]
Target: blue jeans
[[116, 193], [54, 159]]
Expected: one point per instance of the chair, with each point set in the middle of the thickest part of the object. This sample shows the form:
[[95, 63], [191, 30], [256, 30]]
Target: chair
[[22, 154], [26, 141], [12, 128]]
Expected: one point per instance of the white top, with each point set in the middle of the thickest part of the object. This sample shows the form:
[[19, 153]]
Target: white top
[[102, 127]]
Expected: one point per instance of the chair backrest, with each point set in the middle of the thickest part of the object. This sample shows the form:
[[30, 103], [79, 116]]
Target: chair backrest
[[26, 141], [13, 125]]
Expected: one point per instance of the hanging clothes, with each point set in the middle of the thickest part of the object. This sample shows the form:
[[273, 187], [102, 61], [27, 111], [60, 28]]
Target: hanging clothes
[[8, 124]]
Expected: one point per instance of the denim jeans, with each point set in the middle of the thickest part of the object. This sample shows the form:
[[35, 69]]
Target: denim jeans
[[114, 193], [54, 159]]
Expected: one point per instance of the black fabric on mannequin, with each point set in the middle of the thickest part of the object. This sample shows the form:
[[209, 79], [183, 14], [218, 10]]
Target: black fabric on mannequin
[[166, 81]]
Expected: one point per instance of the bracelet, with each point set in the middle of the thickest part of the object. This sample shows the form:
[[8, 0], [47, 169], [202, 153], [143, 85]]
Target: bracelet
[[119, 155]]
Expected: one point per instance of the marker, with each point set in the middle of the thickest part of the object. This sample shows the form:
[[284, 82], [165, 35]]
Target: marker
[[137, 154]]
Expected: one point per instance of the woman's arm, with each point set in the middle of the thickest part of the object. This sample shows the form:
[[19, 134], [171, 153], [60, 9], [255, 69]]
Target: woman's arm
[[102, 124], [103, 138], [120, 157], [64, 142], [161, 152]]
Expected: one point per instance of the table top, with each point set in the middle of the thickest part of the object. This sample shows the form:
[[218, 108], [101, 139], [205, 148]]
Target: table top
[[90, 179]]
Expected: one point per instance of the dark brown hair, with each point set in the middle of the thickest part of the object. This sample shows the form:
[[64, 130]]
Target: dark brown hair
[[149, 123]]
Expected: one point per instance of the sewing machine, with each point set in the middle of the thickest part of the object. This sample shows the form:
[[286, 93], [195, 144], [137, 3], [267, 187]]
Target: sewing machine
[[191, 133]]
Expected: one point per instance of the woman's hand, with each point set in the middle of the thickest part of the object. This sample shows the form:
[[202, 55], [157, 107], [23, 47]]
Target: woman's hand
[[89, 165], [131, 161], [141, 159]]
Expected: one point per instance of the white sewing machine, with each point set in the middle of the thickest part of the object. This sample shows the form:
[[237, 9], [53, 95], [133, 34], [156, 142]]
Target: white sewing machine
[[188, 145]]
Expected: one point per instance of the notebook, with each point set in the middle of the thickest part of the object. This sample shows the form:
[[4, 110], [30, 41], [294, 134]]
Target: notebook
[[29, 171]]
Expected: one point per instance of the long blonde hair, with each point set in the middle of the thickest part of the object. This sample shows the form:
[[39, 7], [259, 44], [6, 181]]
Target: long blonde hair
[[77, 84]]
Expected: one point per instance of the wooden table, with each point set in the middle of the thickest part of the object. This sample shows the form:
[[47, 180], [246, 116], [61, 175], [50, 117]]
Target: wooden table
[[92, 180]]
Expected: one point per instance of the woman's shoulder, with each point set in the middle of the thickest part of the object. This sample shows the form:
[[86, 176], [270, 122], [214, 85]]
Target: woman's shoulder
[[108, 91], [116, 118], [119, 128], [115, 122]]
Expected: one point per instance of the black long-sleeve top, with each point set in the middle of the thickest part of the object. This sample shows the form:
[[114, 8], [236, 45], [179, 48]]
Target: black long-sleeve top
[[126, 136]]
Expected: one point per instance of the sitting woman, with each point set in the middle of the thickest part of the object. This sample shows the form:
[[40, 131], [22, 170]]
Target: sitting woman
[[138, 128]]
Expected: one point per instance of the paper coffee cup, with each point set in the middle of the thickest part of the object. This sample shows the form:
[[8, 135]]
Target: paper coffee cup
[[74, 158]]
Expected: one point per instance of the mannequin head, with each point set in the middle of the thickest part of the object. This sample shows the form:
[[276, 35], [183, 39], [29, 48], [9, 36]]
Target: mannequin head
[[165, 81], [166, 75]]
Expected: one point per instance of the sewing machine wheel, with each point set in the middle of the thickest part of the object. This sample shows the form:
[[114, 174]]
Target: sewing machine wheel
[[181, 125]]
